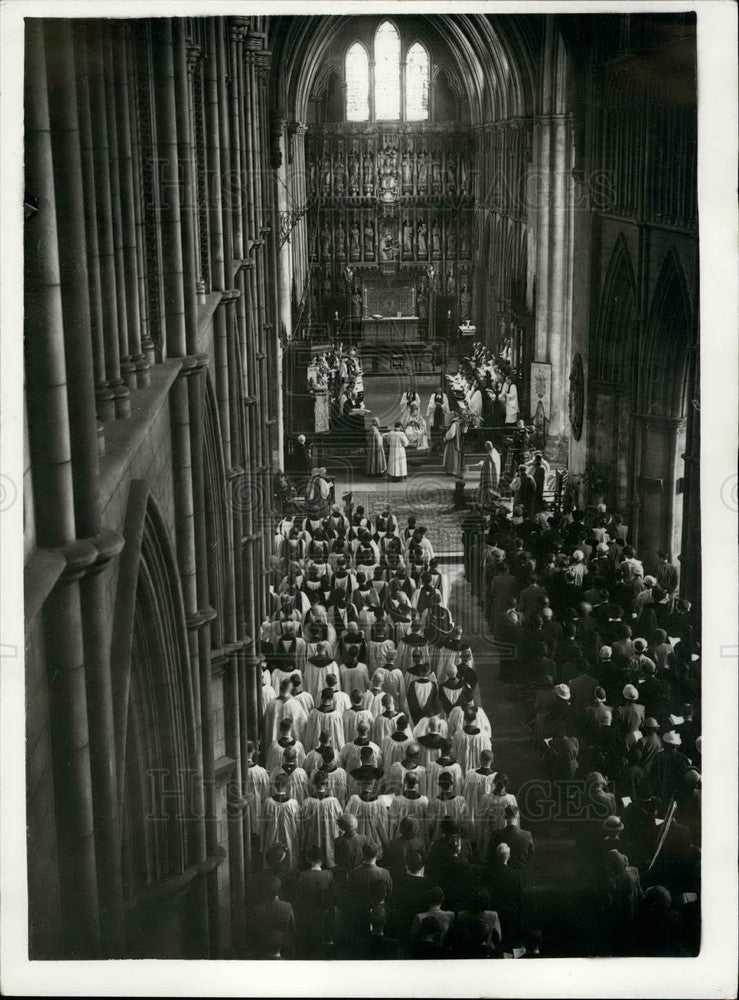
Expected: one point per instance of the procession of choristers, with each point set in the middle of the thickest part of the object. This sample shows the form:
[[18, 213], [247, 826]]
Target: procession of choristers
[[369, 693]]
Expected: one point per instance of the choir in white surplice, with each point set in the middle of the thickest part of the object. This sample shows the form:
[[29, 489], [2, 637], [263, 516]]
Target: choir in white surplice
[[373, 711]]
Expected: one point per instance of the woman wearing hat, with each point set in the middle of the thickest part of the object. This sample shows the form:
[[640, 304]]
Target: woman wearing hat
[[629, 716], [667, 768]]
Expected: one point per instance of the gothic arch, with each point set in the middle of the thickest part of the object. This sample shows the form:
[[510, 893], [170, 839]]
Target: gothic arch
[[613, 349], [668, 343], [158, 738]]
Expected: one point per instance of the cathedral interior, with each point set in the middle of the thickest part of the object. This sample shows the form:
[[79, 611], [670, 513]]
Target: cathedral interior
[[212, 202]]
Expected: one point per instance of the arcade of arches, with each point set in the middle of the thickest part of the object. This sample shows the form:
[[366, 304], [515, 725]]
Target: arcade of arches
[[211, 201]]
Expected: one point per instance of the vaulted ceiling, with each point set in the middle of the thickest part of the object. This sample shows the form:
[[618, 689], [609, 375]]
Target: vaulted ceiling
[[494, 57]]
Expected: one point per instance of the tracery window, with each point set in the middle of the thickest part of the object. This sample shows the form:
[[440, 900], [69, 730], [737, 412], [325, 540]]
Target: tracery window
[[399, 90], [417, 84], [387, 73], [357, 84]]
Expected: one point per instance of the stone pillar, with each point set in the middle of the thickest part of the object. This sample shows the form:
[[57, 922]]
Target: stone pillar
[[557, 278], [181, 327], [124, 294], [128, 212], [168, 209], [103, 392], [64, 119], [188, 200], [147, 344], [542, 237], [101, 159], [49, 440]]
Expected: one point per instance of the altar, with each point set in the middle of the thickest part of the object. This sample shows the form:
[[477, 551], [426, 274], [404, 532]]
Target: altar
[[392, 330]]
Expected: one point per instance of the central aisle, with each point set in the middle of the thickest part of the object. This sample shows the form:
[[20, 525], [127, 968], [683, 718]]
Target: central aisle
[[550, 900]]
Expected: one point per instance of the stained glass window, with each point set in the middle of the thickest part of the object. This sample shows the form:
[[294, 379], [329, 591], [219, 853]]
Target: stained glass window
[[417, 84], [357, 84], [387, 73]]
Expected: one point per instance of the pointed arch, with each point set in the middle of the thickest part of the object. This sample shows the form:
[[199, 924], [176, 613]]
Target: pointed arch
[[387, 72], [417, 83], [668, 342], [357, 76], [614, 347], [153, 699]]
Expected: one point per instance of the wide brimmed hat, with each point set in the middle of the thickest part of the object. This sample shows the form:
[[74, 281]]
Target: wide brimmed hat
[[650, 724], [630, 692], [672, 739], [613, 825], [562, 691]]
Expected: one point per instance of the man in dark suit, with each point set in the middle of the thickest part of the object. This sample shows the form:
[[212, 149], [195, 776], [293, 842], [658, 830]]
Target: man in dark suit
[[519, 841], [395, 855], [303, 463], [506, 894], [410, 894], [450, 870], [369, 882], [270, 923]]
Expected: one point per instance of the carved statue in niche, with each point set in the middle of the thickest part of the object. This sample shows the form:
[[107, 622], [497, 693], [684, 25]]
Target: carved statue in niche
[[356, 304], [407, 238], [422, 307], [464, 240], [326, 242], [451, 241], [354, 240], [326, 175], [464, 174], [327, 289], [353, 170], [312, 176], [340, 241], [436, 171], [369, 239], [368, 169], [422, 171], [338, 172], [407, 173], [436, 239], [465, 301], [451, 173], [421, 245], [451, 283], [388, 174], [387, 241]]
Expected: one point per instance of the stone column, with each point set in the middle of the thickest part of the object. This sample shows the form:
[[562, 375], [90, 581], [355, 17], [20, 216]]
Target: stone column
[[181, 327], [542, 236], [188, 200], [49, 440], [64, 120], [168, 209], [147, 344], [237, 28], [101, 159], [124, 293], [103, 391], [556, 297], [128, 212]]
